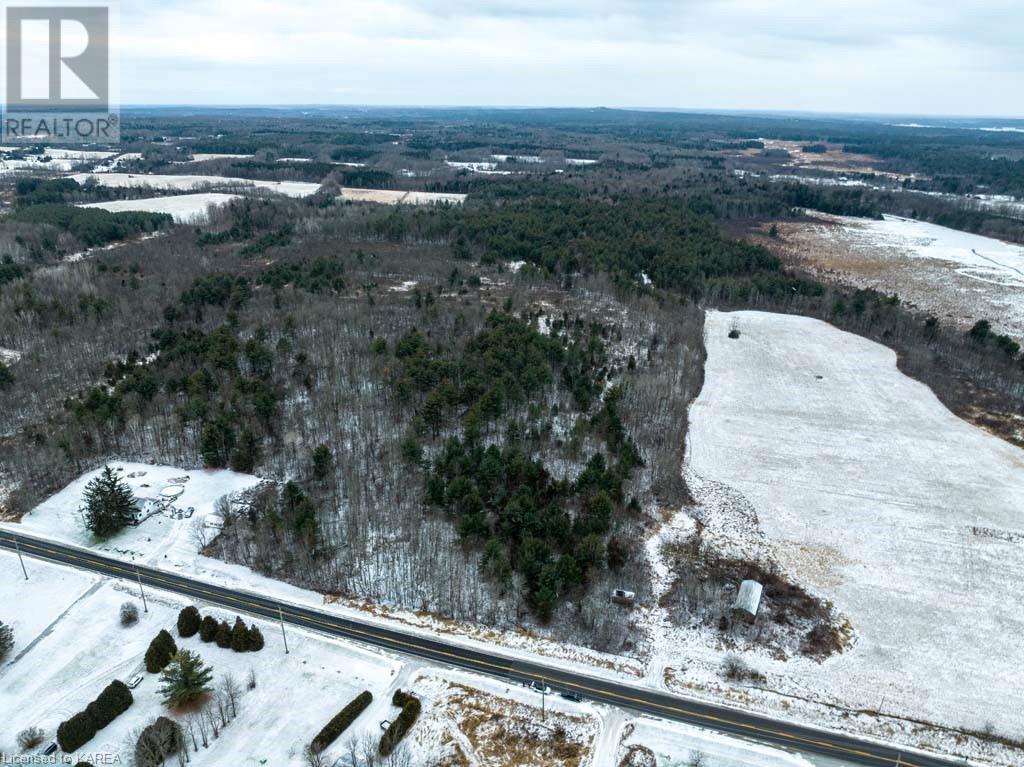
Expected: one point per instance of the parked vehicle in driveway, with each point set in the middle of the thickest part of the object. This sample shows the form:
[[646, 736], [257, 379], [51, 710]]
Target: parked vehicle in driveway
[[135, 681], [49, 749]]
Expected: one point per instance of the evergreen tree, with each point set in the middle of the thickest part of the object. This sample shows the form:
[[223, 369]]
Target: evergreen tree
[[239, 636], [189, 621], [109, 504], [185, 679], [255, 639], [223, 635], [166, 641], [247, 453], [322, 462], [208, 628], [6, 639], [160, 652], [6, 376]]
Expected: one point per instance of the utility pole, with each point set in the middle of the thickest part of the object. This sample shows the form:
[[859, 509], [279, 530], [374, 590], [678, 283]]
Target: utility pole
[[543, 700], [280, 617], [18, 549], [138, 577]]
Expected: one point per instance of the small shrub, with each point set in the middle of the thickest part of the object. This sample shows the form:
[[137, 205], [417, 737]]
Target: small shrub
[[129, 614], [30, 737], [736, 669], [208, 628], [239, 636], [402, 723], [159, 740], [223, 635], [189, 621], [6, 639], [341, 721], [255, 639]]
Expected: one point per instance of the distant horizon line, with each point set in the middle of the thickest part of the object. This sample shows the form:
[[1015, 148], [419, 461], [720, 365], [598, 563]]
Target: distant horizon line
[[592, 108]]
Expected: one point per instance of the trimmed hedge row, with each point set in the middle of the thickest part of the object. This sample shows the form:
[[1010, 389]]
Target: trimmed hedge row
[[341, 721], [75, 732], [402, 723], [240, 638]]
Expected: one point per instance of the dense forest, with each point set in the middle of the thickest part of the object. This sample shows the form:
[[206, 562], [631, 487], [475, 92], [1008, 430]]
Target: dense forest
[[476, 410]]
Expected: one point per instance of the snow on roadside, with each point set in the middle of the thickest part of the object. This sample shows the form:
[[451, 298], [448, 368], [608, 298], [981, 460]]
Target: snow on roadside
[[674, 744]]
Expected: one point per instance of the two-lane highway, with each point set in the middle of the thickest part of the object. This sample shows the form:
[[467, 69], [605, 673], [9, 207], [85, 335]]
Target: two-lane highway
[[648, 701]]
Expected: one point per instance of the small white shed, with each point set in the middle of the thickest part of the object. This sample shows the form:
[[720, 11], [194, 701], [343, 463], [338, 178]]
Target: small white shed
[[748, 600]]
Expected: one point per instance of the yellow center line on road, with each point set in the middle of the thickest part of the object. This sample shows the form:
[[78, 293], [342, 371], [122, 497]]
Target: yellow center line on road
[[409, 641]]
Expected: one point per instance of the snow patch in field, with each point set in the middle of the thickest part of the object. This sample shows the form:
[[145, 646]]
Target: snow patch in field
[[399, 196], [474, 166], [529, 159], [943, 271], [204, 156], [194, 183], [184, 208]]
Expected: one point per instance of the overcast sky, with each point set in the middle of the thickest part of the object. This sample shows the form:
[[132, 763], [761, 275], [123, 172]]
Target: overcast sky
[[897, 56]]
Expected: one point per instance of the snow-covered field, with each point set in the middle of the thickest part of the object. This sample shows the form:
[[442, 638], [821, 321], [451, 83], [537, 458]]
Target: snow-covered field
[[204, 156], [952, 274], [474, 166], [185, 208], [873, 495], [396, 196], [194, 183]]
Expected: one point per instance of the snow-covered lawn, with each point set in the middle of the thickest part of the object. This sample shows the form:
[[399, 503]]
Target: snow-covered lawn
[[194, 183], [295, 694], [158, 538], [952, 274], [871, 494], [185, 208], [53, 589]]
